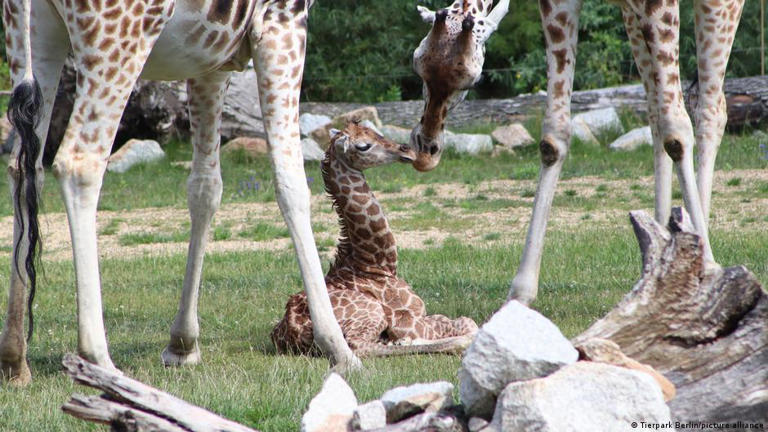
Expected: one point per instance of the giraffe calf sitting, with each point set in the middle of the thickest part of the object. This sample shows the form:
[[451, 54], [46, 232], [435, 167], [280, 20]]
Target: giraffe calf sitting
[[377, 311]]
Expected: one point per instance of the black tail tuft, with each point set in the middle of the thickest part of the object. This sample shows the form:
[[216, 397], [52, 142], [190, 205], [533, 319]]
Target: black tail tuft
[[24, 114]]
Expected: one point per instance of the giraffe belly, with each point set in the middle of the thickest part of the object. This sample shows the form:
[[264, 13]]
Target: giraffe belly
[[192, 44]]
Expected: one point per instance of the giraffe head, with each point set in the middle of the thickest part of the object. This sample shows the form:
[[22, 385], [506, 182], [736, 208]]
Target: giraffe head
[[360, 148], [449, 61]]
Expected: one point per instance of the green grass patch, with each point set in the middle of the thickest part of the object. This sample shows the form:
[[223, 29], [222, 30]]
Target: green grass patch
[[263, 231], [134, 239]]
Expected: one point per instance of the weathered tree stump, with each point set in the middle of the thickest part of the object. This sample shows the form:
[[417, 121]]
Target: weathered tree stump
[[702, 326], [131, 406]]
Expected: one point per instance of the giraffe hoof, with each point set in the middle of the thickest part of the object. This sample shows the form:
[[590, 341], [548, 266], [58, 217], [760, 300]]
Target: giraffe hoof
[[174, 358], [15, 374], [347, 365]]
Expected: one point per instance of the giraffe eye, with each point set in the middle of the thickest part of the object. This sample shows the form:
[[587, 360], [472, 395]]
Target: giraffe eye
[[363, 146]]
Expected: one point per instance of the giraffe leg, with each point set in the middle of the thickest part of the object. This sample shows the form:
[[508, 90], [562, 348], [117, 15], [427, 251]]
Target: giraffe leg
[[105, 80], [206, 96], [278, 46], [662, 163], [560, 21], [49, 47], [716, 24], [659, 25]]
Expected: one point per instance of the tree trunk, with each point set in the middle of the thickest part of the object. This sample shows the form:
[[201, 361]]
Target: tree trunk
[[129, 405], [702, 326]]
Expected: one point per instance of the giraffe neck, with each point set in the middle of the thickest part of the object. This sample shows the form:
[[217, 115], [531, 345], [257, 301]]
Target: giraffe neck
[[366, 242]]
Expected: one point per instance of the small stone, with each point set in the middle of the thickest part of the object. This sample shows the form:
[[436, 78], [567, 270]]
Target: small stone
[[584, 396], [371, 415], [516, 344], [606, 351], [332, 409], [309, 122], [512, 136], [311, 150], [476, 424], [469, 143], [135, 152], [252, 147], [633, 139], [406, 401], [397, 134]]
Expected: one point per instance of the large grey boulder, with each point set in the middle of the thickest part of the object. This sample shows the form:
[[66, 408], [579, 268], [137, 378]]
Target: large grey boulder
[[468, 143], [135, 152], [600, 120], [512, 136], [633, 139], [332, 409], [585, 396], [402, 402], [516, 344], [311, 150], [309, 122]]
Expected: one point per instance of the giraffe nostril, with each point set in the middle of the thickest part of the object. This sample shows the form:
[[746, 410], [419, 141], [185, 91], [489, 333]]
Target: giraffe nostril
[[433, 150]]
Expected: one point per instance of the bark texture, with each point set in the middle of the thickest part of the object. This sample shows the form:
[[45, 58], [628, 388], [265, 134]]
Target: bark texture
[[703, 326]]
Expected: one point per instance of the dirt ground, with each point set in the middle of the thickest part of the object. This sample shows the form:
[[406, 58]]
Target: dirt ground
[[730, 209]]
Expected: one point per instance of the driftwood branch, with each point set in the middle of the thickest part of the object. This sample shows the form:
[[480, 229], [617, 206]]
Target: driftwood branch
[[703, 326], [129, 405]]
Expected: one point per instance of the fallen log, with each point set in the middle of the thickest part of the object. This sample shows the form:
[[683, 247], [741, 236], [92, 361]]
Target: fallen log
[[129, 405], [703, 326]]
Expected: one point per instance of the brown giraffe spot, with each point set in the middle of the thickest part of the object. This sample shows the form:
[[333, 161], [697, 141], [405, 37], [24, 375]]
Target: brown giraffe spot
[[546, 7], [665, 58], [560, 57], [651, 6], [666, 36], [556, 34]]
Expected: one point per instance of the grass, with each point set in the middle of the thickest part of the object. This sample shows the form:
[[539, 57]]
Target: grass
[[586, 269]]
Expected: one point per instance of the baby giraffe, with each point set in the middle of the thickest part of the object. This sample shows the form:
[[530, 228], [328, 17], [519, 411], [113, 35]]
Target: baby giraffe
[[378, 312]]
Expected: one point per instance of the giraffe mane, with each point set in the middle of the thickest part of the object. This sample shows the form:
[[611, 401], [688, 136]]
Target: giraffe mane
[[344, 247]]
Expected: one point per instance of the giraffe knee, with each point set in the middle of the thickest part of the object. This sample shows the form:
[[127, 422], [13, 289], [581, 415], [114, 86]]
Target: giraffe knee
[[674, 149], [551, 151]]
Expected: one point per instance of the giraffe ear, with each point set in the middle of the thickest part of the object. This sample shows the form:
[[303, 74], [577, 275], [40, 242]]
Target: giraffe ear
[[339, 139], [427, 15], [333, 132]]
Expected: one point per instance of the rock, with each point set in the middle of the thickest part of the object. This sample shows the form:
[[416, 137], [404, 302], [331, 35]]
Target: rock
[[371, 415], [469, 143], [584, 396], [516, 344], [606, 351], [397, 134], [403, 402], [309, 122], [581, 131], [252, 147], [359, 115], [600, 121], [633, 139], [322, 137], [311, 150], [135, 152], [332, 409], [476, 424], [512, 136]]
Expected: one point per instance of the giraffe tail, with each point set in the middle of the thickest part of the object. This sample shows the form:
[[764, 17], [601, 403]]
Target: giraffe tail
[[450, 345], [24, 109]]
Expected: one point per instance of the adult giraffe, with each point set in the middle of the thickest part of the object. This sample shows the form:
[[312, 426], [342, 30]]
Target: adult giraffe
[[449, 60], [113, 43]]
